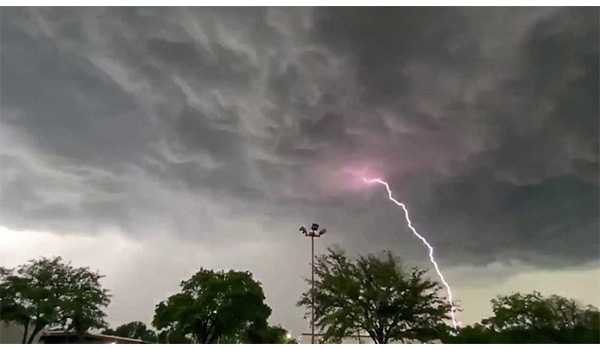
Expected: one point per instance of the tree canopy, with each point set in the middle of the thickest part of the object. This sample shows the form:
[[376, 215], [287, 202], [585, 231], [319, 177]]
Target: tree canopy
[[369, 294], [134, 330], [49, 292], [533, 318], [534, 311], [262, 335], [375, 295], [215, 307]]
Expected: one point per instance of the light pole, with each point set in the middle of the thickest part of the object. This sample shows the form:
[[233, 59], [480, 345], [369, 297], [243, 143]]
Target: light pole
[[314, 232]]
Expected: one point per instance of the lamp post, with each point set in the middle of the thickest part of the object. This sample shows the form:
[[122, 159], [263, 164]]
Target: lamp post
[[314, 232]]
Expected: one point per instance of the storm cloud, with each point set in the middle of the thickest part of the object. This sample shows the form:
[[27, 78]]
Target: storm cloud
[[231, 127]]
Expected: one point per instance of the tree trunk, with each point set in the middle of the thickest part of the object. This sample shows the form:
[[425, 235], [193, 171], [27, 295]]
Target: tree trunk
[[35, 331], [380, 337], [372, 335], [26, 330]]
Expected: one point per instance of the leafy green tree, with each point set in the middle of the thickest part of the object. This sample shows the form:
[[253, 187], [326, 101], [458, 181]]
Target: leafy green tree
[[30, 295], [82, 301], [534, 311], [212, 307], [533, 318], [134, 330], [266, 335], [373, 294], [173, 335], [473, 334], [48, 292]]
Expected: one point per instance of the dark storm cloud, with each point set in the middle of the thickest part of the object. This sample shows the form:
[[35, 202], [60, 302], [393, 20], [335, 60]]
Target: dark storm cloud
[[484, 120], [521, 186], [382, 41], [66, 105], [534, 196]]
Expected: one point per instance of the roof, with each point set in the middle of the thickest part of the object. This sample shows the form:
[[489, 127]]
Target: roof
[[97, 337]]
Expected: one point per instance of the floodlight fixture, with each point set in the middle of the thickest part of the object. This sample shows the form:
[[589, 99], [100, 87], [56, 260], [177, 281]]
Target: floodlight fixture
[[314, 232]]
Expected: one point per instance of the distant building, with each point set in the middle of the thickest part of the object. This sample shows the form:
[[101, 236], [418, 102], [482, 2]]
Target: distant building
[[61, 337], [12, 333], [305, 338]]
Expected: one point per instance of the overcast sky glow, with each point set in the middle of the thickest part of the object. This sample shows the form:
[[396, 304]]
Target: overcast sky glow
[[147, 143]]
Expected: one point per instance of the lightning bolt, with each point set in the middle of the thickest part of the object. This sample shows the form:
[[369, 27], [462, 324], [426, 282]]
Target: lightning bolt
[[429, 246]]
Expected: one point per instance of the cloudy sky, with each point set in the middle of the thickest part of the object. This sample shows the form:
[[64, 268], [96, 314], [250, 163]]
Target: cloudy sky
[[147, 143]]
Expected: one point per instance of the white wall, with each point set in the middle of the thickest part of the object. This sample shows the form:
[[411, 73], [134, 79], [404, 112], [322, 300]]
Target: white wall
[[10, 333]]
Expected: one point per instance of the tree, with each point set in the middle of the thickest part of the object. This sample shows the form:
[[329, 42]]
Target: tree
[[134, 330], [82, 301], [375, 295], [267, 335], [29, 296], [48, 292], [213, 307], [474, 334], [533, 311], [533, 318]]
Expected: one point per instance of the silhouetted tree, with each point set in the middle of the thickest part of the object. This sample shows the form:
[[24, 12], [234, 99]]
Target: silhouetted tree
[[172, 335], [533, 318], [49, 292], [475, 334], [261, 334], [533, 311], [134, 330], [375, 295], [82, 301], [213, 307]]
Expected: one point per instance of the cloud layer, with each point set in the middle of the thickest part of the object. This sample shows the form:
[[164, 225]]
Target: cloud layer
[[228, 127]]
